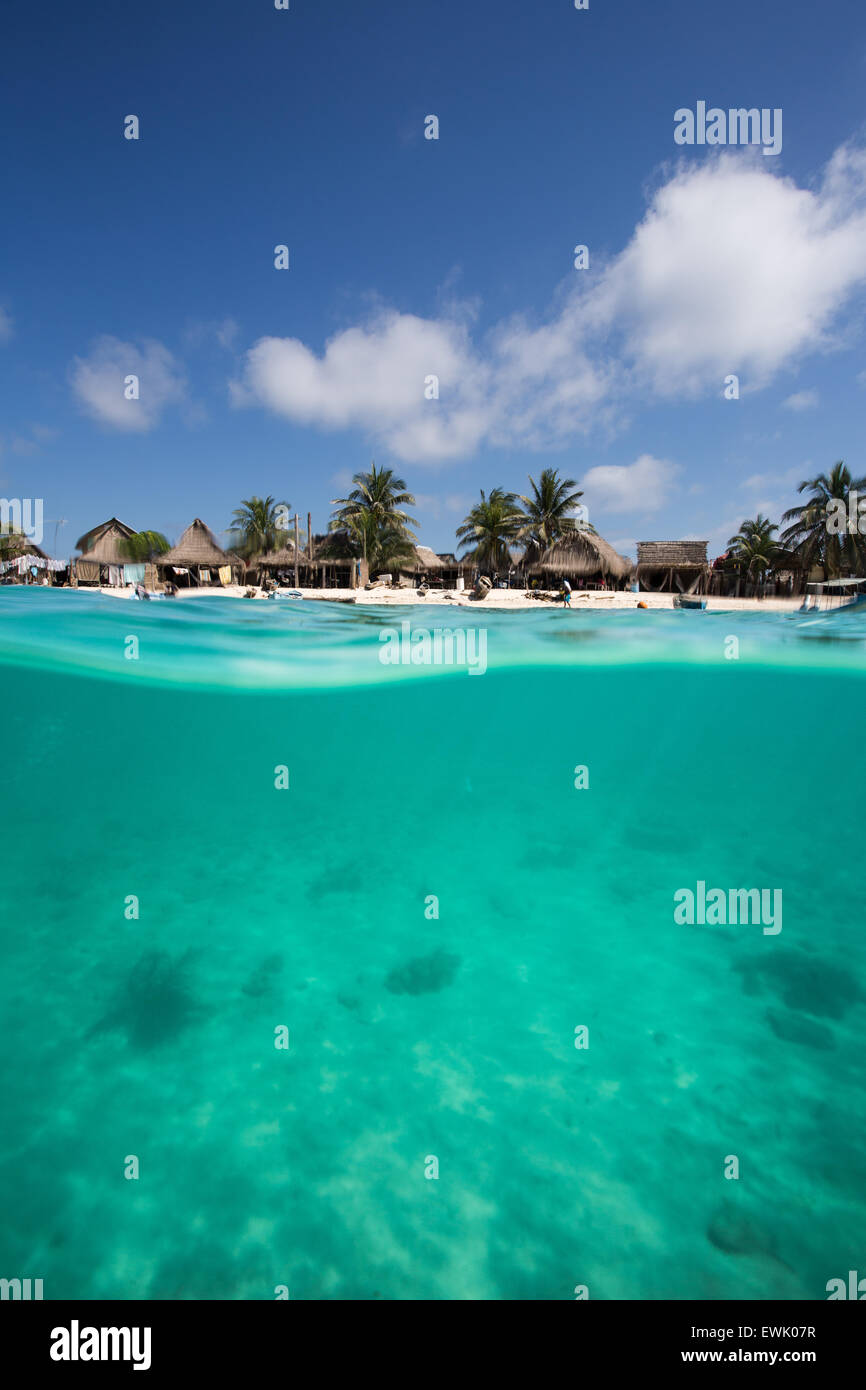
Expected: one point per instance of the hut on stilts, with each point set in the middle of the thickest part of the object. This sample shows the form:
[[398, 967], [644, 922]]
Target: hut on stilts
[[286, 566], [673, 567]]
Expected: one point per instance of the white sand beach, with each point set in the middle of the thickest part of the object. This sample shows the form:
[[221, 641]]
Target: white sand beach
[[594, 600]]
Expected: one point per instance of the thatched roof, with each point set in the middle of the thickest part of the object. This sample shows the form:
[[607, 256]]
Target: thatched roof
[[13, 544], [283, 559], [111, 527], [662, 555], [425, 559], [103, 543], [582, 554], [198, 546]]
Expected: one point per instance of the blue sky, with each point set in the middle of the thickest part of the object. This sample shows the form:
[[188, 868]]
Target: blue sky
[[412, 257]]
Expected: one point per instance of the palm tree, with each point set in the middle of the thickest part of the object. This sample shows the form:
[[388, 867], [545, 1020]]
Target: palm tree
[[808, 532], [256, 526], [11, 541], [143, 545], [490, 525], [372, 520], [547, 512], [754, 550]]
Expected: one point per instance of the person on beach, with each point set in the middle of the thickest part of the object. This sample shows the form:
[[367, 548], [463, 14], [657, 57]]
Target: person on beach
[[565, 594]]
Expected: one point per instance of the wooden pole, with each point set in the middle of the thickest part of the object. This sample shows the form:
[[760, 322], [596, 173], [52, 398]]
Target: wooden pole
[[297, 519]]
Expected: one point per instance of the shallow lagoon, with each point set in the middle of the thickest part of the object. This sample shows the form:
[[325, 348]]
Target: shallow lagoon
[[411, 1035]]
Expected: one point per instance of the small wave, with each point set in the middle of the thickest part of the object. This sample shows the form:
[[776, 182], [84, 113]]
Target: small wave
[[225, 643]]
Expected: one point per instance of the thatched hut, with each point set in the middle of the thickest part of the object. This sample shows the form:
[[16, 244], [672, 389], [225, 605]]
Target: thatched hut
[[19, 556], [102, 558], [340, 572], [280, 565], [582, 555], [426, 560], [673, 566], [426, 566], [113, 528], [451, 568], [336, 566], [197, 559], [422, 566]]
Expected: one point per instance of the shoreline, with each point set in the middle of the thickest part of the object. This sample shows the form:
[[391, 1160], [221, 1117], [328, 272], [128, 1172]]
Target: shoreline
[[503, 600]]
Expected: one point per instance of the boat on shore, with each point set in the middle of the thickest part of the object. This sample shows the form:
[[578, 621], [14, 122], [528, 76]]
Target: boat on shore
[[834, 596], [689, 601]]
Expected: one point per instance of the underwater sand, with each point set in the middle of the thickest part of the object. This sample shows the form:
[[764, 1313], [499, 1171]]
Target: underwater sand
[[411, 1037]]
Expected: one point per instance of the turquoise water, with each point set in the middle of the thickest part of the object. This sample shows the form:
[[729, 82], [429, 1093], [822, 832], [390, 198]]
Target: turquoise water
[[414, 1037]]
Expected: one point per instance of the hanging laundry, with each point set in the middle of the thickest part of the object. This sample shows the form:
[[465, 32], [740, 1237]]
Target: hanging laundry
[[225, 574], [133, 574], [204, 576], [115, 575]]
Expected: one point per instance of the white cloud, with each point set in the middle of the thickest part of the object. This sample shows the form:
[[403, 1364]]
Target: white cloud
[[640, 487], [431, 508], [789, 478], [771, 494], [226, 332], [732, 269], [736, 269], [98, 381], [801, 400], [374, 377], [342, 479], [26, 445]]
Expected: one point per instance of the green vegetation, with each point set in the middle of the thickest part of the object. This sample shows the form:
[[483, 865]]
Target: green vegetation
[[256, 526], [840, 552], [485, 533], [144, 545], [371, 522]]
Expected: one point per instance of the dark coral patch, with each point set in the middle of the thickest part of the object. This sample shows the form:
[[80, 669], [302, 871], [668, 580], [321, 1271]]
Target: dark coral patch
[[796, 1028], [154, 1003], [423, 974], [802, 981], [739, 1232]]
